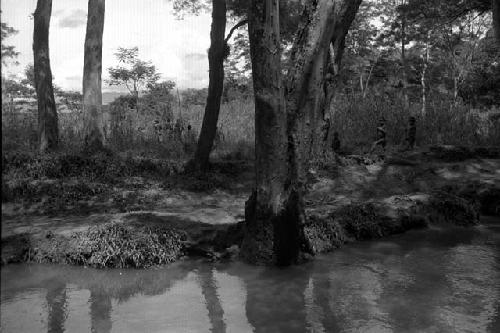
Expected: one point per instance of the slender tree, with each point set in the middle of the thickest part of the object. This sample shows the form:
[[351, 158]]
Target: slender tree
[[216, 55], [92, 69], [48, 132], [274, 214]]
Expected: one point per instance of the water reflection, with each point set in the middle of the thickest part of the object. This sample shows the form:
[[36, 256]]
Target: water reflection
[[431, 281]]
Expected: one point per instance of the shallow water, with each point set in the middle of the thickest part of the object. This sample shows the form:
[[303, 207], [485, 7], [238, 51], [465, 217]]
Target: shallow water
[[423, 281]]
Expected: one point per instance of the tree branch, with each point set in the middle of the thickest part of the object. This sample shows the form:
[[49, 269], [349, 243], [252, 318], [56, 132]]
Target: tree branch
[[239, 24]]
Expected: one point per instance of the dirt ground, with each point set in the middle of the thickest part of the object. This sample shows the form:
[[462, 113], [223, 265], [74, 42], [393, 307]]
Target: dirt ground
[[398, 184]]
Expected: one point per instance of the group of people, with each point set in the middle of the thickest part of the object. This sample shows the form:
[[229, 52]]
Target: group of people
[[381, 136], [381, 140], [179, 132]]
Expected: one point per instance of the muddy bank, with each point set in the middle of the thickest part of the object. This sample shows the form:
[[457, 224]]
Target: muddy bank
[[145, 241], [353, 198]]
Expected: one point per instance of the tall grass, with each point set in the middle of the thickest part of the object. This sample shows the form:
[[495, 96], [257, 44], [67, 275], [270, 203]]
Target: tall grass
[[445, 122], [130, 132], [353, 117]]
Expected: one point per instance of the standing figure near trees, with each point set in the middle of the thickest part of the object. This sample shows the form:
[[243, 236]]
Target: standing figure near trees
[[336, 142], [381, 135], [411, 132], [178, 129], [189, 139], [325, 130]]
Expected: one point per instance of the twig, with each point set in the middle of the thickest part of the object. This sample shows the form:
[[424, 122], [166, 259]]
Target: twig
[[239, 24]]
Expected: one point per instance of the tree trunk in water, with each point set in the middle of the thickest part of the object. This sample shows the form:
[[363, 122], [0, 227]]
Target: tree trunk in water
[[275, 216], [267, 202], [216, 55], [92, 94], [100, 312], [57, 303], [208, 286], [48, 132], [495, 6]]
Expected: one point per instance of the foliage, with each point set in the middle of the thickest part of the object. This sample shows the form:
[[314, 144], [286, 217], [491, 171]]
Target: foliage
[[8, 51], [134, 73], [192, 97]]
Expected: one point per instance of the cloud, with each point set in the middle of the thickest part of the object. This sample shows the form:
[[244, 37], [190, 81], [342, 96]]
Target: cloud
[[195, 69], [195, 57], [73, 78], [78, 17]]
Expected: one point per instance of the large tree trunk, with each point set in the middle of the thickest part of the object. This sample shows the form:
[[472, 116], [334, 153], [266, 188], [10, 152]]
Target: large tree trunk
[[275, 216], [215, 85], [330, 68], [48, 132], [495, 6], [403, 60], [267, 203], [92, 69], [423, 81]]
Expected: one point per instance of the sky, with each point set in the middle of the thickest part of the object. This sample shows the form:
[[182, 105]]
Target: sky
[[178, 48]]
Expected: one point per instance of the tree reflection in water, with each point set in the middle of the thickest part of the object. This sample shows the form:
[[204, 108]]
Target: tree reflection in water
[[434, 280]]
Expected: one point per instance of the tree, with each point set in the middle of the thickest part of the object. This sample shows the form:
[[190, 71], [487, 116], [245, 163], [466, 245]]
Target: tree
[[8, 51], [48, 132], [495, 7], [216, 54], [136, 75], [92, 68], [274, 214]]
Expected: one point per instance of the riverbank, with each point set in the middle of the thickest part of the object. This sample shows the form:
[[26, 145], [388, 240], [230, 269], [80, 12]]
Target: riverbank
[[167, 216]]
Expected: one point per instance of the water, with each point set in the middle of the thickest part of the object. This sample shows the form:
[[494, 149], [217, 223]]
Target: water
[[423, 281]]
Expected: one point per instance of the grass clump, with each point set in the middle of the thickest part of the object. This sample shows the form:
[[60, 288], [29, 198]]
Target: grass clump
[[361, 221], [112, 245]]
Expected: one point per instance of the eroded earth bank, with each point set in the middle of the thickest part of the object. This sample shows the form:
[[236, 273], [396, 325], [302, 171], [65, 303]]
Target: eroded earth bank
[[108, 211]]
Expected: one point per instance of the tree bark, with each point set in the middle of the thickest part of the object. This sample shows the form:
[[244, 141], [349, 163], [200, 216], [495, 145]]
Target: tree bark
[[92, 69], [48, 132], [423, 81], [495, 6], [267, 202], [275, 216], [326, 67], [216, 55], [403, 60]]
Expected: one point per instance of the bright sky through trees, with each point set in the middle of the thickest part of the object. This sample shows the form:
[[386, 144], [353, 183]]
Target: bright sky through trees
[[177, 47]]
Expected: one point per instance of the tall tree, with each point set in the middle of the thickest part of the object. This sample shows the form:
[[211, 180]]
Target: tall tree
[[216, 54], [92, 69], [136, 75], [48, 132], [274, 214]]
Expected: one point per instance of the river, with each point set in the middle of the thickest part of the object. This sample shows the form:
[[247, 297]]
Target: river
[[433, 280]]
